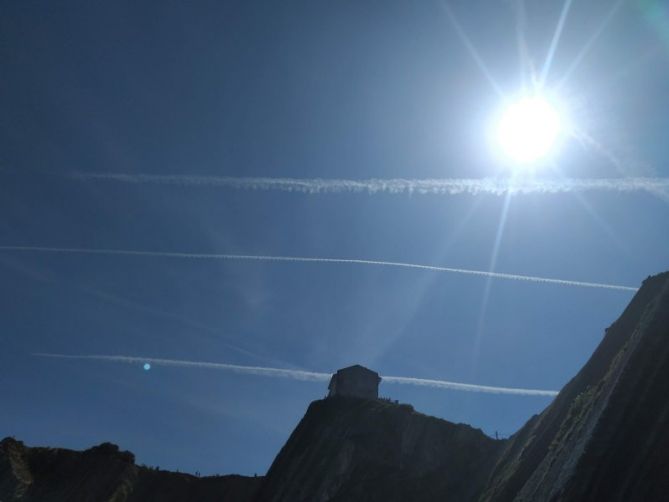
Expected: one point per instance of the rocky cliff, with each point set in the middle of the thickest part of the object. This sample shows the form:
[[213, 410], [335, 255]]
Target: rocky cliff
[[105, 474], [606, 435], [348, 449]]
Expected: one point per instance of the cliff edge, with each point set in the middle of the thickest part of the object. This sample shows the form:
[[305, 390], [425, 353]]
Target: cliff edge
[[349, 448], [605, 436], [105, 474]]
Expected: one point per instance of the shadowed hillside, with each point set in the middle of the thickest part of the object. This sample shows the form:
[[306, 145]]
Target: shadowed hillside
[[360, 449], [604, 437], [104, 474]]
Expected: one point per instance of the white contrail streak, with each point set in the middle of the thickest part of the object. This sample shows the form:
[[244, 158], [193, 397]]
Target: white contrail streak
[[302, 259], [301, 375], [443, 384], [248, 370], [440, 186]]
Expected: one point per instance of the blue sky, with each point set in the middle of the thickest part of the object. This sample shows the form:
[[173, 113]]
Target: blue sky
[[346, 90]]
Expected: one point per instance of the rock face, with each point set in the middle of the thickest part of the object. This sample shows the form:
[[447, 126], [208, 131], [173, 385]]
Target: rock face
[[348, 449], [105, 474], [606, 435]]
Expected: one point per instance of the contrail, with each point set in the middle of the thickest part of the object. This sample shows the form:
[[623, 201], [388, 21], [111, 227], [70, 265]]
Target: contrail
[[438, 186], [443, 384], [302, 259], [311, 376], [249, 370]]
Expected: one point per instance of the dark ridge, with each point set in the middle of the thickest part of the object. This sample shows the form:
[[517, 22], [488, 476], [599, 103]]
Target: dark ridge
[[362, 449], [604, 437], [630, 362], [104, 473]]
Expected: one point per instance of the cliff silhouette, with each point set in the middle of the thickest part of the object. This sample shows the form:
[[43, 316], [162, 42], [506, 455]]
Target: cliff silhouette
[[359, 449], [604, 437], [104, 473]]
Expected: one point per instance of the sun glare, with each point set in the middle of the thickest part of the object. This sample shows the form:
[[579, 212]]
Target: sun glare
[[528, 129]]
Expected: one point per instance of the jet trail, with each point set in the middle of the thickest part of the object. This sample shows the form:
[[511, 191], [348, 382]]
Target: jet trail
[[249, 370], [302, 259], [301, 375], [438, 186], [443, 384]]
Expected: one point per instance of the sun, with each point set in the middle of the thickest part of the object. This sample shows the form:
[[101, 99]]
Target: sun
[[528, 129]]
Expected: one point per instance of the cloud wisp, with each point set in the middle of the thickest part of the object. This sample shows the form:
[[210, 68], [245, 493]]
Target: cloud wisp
[[292, 374], [302, 259], [437, 186]]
